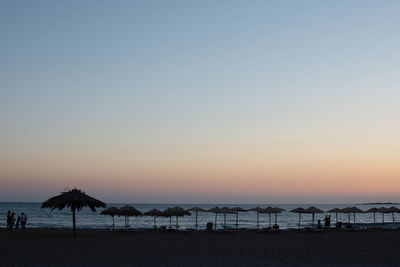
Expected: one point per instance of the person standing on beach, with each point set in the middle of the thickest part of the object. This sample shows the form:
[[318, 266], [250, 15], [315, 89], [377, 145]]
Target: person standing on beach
[[24, 219], [8, 220], [12, 220], [18, 221]]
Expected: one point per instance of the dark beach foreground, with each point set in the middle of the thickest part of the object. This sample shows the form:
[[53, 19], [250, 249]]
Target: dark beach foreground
[[45, 247]]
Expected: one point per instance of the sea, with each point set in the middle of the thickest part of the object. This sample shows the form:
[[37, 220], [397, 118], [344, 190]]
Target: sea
[[86, 219]]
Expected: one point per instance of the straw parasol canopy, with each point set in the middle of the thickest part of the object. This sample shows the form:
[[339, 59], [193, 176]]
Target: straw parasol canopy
[[196, 210], [237, 210], [258, 210], [215, 210], [177, 212], [112, 211], [128, 211], [269, 210], [336, 211], [373, 210], [313, 210], [276, 211], [155, 213], [299, 211], [74, 199], [226, 210], [353, 210], [392, 210]]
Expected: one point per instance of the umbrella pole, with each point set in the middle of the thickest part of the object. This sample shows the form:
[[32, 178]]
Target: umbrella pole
[[170, 222], [257, 219], [354, 218], [237, 219], [393, 216], [383, 218], [349, 217], [225, 220], [276, 218], [269, 215], [177, 226], [196, 221], [313, 220], [73, 222], [374, 219], [299, 219], [155, 225], [336, 217], [215, 224]]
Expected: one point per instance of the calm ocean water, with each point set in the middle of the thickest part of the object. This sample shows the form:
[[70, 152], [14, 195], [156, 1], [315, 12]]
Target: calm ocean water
[[44, 218]]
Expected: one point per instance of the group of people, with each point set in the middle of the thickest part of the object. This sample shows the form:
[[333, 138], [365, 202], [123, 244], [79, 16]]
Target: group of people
[[11, 221], [327, 221]]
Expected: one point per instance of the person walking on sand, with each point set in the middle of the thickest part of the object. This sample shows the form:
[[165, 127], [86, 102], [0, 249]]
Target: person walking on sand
[[12, 220], [24, 219]]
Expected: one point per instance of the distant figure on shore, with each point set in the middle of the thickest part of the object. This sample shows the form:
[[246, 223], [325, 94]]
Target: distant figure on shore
[[18, 221], [327, 221], [12, 220], [319, 226], [8, 220], [24, 219]]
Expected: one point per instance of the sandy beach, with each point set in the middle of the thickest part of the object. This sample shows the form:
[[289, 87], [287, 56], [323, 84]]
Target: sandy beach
[[49, 247]]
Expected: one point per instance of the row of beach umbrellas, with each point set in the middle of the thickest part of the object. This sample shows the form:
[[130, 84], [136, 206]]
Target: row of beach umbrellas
[[129, 211]]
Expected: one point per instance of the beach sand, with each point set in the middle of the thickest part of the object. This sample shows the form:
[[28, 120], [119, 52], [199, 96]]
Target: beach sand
[[45, 247]]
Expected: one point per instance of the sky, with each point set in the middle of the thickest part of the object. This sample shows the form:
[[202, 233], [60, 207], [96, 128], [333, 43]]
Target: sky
[[200, 101]]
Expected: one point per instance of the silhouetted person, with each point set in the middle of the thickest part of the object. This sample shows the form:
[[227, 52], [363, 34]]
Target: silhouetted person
[[24, 219], [9, 220], [319, 226], [18, 221], [12, 220]]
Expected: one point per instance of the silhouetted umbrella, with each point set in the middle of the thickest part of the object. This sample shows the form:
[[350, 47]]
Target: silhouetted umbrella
[[336, 211], [128, 211], [74, 199], [269, 210], [353, 210], [258, 210], [177, 212], [392, 210], [226, 210], [112, 211], [155, 213], [168, 213], [383, 210], [276, 211], [373, 210], [237, 210], [196, 209], [299, 211], [313, 210], [215, 210]]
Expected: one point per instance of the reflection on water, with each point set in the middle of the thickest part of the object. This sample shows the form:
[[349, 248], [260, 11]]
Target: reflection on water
[[44, 218]]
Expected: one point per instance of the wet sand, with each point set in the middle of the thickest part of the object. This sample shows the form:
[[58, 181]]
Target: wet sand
[[44, 247]]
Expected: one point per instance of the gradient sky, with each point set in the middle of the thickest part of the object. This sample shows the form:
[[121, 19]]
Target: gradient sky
[[201, 101]]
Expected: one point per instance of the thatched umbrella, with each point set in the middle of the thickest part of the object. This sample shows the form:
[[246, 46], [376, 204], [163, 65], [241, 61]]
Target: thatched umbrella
[[392, 210], [155, 213], [299, 211], [313, 210], [276, 211], [168, 213], [237, 210], [74, 199], [353, 210], [128, 211], [269, 210], [258, 210], [373, 210], [336, 211], [196, 209], [177, 212], [215, 210], [226, 210], [112, 211]]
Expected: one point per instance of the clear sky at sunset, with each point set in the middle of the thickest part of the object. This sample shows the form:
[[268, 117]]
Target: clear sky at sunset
[[201, 101]]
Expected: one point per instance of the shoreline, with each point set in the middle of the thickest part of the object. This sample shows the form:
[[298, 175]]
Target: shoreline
[[57, 247]]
